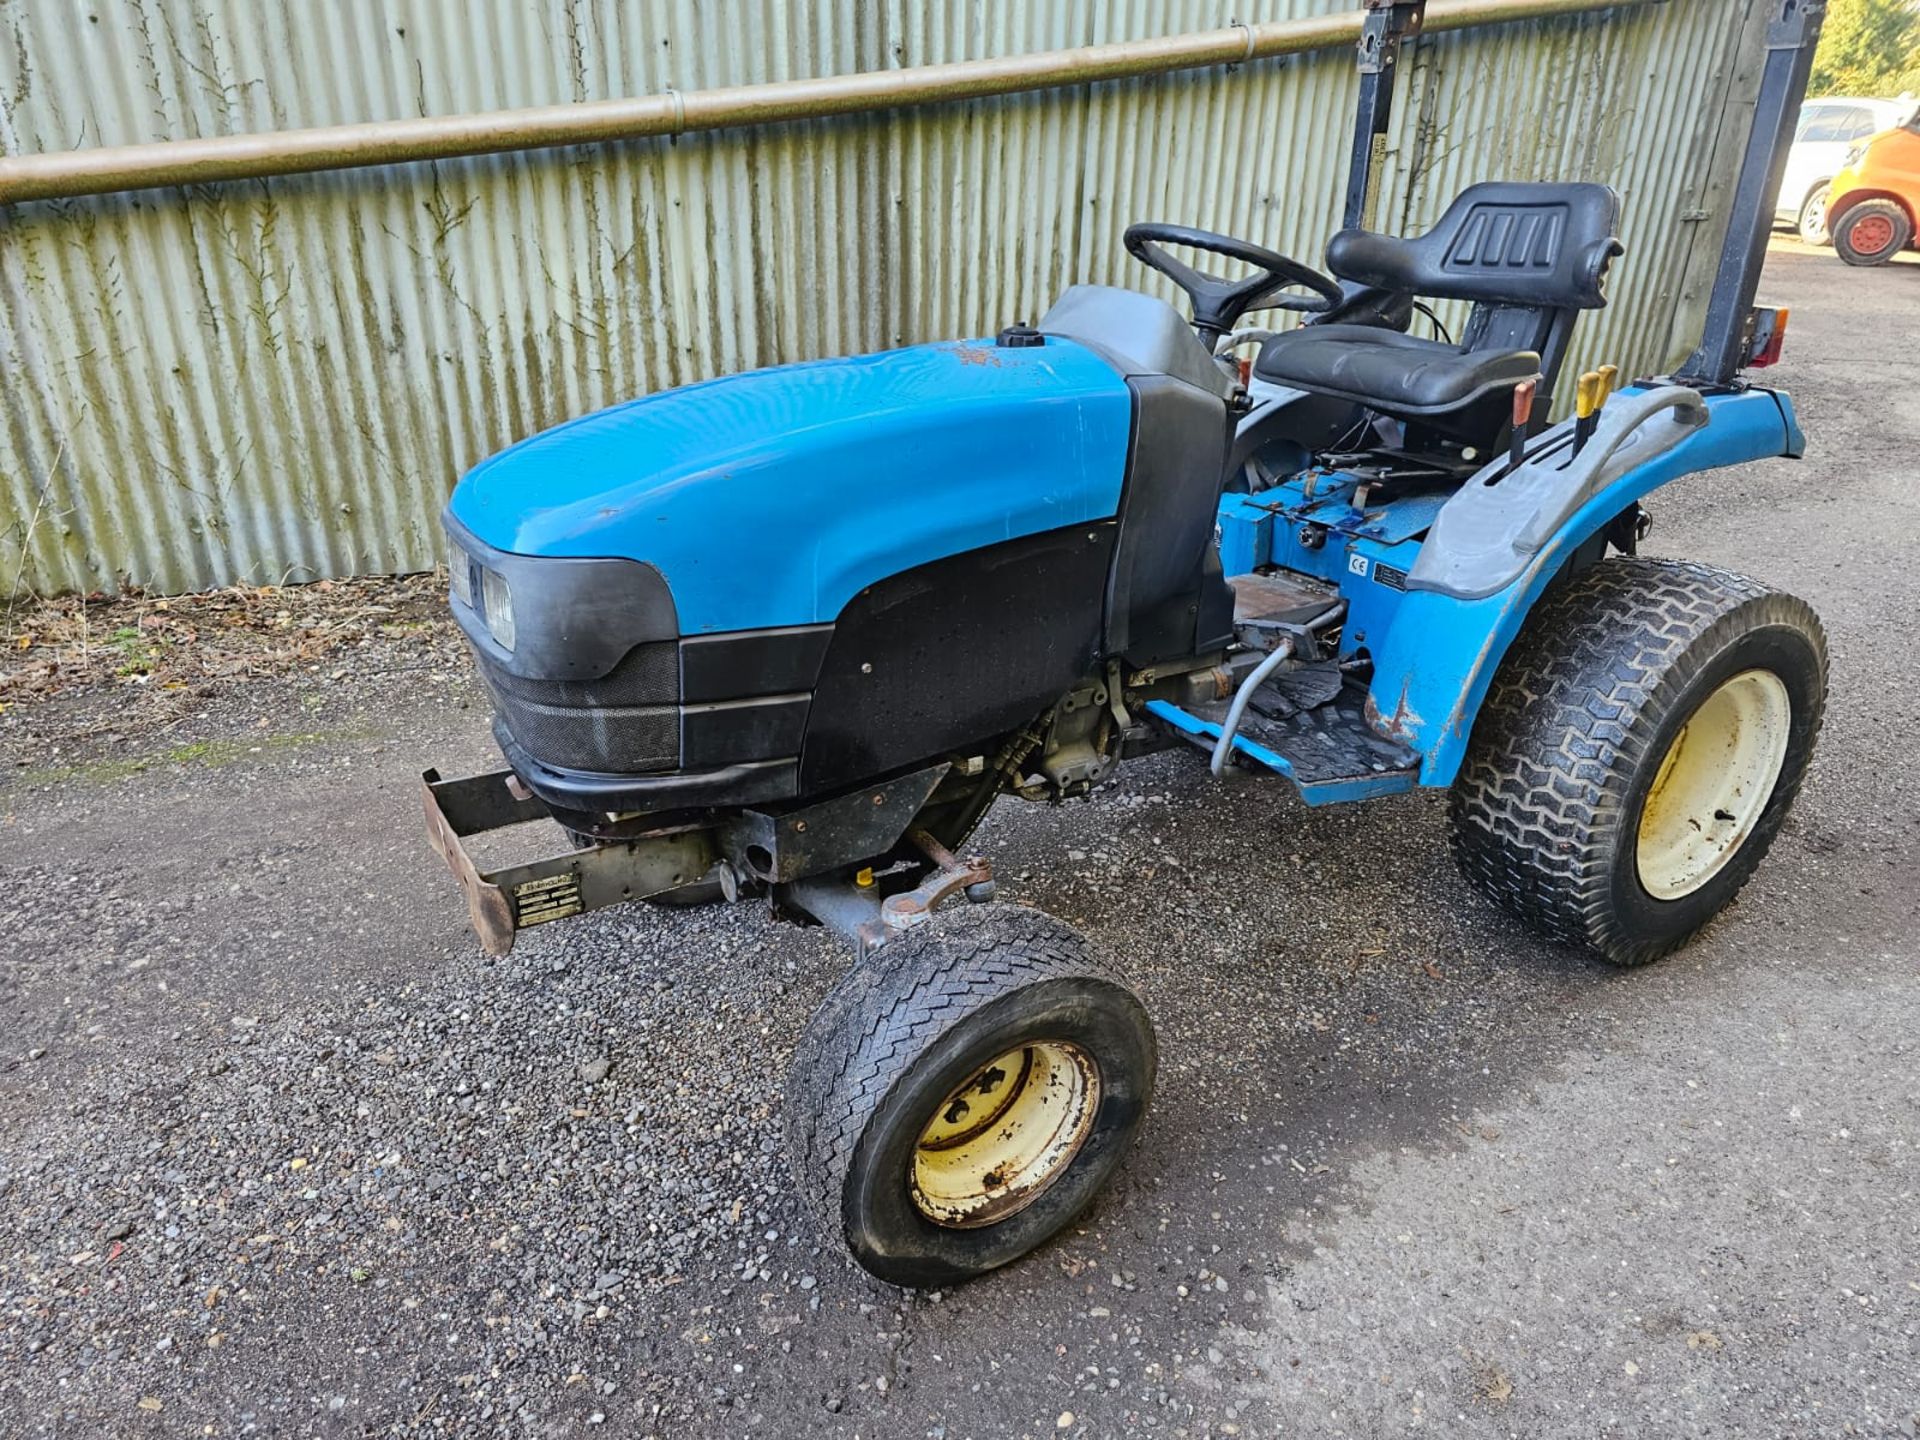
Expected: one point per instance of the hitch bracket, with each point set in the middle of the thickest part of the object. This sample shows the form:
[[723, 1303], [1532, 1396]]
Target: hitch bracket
[[501, 903]]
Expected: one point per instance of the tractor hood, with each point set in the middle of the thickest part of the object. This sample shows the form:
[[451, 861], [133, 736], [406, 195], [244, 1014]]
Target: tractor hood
[[772, 498]]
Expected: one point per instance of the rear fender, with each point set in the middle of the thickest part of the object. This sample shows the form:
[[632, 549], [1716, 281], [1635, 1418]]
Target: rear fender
[[1440, 656]]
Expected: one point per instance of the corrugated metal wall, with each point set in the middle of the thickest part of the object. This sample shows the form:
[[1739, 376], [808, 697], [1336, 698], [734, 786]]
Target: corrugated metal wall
[[280, 380]]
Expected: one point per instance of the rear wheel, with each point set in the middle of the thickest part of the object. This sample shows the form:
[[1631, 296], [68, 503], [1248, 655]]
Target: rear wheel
[[961, 1097], [1638, 752], [1872, 232], [1813, 218]]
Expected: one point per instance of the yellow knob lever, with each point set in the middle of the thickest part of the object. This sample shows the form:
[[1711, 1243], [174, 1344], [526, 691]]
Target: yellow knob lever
[[1588, 397], [1609, 381]]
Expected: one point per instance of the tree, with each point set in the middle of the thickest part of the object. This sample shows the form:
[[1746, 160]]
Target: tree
[[1869, 47]]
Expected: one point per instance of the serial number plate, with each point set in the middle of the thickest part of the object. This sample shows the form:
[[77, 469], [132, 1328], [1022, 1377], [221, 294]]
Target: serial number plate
[[554, 898]]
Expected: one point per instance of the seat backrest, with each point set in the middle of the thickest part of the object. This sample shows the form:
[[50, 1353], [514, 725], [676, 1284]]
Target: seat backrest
[[1506, 243], [1529, 256]]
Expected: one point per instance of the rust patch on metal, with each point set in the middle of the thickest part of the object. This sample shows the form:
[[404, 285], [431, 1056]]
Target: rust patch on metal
[[950, 874], [488, 910], [978, 355], [1399, 725]]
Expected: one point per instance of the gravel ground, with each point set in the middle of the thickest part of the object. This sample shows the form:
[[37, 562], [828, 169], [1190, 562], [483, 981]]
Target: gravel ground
[[282, 1153]]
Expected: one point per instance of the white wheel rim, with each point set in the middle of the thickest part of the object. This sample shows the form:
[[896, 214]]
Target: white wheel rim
[[1713, 784], [1005, 1135], [1813, 220]]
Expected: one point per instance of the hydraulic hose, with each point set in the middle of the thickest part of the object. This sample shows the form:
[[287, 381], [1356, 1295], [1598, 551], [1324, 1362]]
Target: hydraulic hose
[[1281, 653], [1223, 747]]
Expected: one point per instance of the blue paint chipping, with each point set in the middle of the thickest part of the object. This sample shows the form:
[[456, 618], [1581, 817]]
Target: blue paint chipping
[[774, 497]]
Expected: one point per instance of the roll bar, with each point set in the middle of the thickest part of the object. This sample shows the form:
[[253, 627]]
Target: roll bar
[[1727, 336]]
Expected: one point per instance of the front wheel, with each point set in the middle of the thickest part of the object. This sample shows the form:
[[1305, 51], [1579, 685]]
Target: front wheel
[[1872, 232], [959, 1098], [1638, 752]]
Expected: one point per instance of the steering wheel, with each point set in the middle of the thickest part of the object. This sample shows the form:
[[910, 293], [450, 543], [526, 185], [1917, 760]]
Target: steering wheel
[[1218, 303]]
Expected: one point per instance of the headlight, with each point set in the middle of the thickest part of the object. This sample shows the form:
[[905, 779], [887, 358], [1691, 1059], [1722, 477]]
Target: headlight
[[460, 572], [497, 606]]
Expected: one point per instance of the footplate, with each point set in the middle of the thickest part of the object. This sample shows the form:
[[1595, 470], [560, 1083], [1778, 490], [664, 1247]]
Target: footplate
[[501, 903], [1329, 752]]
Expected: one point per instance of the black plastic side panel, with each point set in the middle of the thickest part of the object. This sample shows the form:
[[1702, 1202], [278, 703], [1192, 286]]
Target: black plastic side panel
[[1175, 467], [763, 728], [752, 662], [1213, 621], [956, 653]]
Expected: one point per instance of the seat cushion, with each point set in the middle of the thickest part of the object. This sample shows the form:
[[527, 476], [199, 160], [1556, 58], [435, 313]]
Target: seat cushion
[[1386, 370]]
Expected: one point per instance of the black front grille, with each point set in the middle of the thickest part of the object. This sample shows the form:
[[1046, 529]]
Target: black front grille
[[626, 722]]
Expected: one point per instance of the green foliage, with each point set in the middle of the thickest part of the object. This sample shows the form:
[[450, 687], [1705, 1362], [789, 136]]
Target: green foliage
[[132, 645], [1869, 48]]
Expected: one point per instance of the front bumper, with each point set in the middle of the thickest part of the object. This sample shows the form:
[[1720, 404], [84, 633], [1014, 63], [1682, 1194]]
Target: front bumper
[[599, 792], [602, 706], [627, 720]]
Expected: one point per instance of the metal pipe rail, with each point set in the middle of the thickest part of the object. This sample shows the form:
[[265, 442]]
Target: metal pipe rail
[[109, 169]]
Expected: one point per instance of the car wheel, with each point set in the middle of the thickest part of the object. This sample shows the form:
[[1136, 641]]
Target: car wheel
[[1813, 218], [1872, 232], [1638, 752]]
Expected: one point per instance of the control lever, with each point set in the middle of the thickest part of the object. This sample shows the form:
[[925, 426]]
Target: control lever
[[1523, 397], [1596, 388]]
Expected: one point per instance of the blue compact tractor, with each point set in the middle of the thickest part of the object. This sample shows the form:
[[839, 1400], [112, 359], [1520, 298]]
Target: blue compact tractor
[[790, 634]]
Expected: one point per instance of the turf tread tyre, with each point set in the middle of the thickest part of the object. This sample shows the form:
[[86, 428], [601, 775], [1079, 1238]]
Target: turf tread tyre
[[1547, 804], [888, 1011]]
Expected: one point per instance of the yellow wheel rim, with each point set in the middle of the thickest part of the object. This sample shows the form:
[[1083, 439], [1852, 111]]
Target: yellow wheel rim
[[996, 1142], [1713, 784]]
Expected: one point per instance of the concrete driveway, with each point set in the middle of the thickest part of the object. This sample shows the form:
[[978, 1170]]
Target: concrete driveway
[[282, 1153]]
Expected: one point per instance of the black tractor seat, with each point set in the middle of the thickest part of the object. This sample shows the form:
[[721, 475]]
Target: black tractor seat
[[1528, 257], [1389, 370]]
